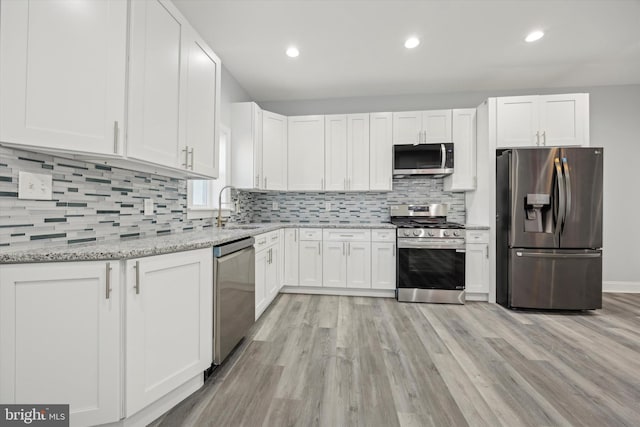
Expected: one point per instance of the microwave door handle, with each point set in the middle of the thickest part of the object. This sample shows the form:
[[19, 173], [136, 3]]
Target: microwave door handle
[[443, 151]]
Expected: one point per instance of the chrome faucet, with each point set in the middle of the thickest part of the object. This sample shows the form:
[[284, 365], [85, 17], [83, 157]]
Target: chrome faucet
[[219, 224]]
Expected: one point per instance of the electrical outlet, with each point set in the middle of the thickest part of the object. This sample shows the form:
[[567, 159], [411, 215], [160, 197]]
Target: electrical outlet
[[34, 186], [148, 207], [327, 206], [274, 206]]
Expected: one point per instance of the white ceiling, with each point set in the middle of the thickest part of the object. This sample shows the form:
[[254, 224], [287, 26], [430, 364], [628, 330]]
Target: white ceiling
[[355, 47]]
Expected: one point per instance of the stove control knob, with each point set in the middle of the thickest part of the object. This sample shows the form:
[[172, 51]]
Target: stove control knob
[[446, 234], [430, 234], [416, 233], [406, 232], [456, 233]]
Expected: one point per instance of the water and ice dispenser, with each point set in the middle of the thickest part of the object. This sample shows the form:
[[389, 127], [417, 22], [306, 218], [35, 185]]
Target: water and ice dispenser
[[538, 218]]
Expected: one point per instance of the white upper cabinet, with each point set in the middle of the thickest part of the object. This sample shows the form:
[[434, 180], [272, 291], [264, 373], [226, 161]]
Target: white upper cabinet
[[545, 120], [347, 152], [62, 74], [274, 151], [358, 152], [156, 84], [246, 148], [202, 106], [335, 150], [306, 153], [422, 127], [464, 151], [380, 151]]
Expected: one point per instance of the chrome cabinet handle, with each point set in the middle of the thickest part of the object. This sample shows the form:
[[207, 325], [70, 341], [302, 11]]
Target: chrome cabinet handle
[[191, 153], [343, 245], [319, 249], [137, 267], [115, 137], [295, 235], [185, 150], [394, 249], [544, 138], [348, 249], [487, 248], [108, 280], [537, 137]]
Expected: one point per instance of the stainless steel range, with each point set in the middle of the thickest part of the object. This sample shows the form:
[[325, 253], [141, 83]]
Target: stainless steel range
[[431, 254]]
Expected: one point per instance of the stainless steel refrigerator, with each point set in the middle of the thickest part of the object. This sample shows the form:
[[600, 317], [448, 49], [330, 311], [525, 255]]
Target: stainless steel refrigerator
[[549, 228]]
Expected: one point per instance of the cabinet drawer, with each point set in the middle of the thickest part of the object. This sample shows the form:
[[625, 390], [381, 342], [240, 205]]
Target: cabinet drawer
[[386, 235], [346, 235], [266, 239], [477, 236], [310, 234]]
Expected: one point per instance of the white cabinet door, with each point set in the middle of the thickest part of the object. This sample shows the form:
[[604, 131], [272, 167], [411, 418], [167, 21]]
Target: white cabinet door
[[274, 151], [291, 258], [246, 148], [60, 337], [169, 319], [380, 152], [335, 150], [334, 264], [436, 125], [202, 106], [358, 152], [358, 264], [155, 84], [310, 263], [306, 153], [564, 119], [517, 121], [383, 265], [477, 268], [62, 75], [273, 270], [261, 281], [407, 127], [464, 151]]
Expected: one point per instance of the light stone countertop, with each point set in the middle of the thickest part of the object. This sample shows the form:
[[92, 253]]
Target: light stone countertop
[[135, 248], [476, 227]]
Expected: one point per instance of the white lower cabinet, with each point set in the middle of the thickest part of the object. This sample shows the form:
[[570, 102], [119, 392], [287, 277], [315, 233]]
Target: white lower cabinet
[[169, 304], [60, 337], [347, 258], [268, 270], [261, 282], [383, 265], [290, 268], [310, 257], [477, 264]]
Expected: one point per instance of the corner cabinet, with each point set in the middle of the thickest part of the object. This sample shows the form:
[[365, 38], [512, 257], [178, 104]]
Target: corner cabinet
[[246, 149], [274, 151], [62, 75], [60, 337], [169, 315], [174, 80], [464, 154], [543, 120], [305, 166]]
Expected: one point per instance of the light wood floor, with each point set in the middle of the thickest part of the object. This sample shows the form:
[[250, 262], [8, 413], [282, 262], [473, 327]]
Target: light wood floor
[[345, 361]]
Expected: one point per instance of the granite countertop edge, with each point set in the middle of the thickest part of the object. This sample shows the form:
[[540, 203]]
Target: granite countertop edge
[[160, 245]]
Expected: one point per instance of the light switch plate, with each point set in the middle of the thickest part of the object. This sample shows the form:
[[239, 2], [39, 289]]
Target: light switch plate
[[327, 206], [34, 186], [148, 207], [274, 206]]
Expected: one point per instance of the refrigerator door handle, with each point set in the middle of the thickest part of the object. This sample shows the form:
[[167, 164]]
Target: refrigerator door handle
[[567, 180], [556, 255], [561, 197]]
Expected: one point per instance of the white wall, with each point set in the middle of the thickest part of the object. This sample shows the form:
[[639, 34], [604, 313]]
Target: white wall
[[230, 91], [615, 125]]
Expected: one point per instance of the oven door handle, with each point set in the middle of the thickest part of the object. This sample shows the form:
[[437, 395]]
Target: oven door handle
[[408, 244], [462, 251]]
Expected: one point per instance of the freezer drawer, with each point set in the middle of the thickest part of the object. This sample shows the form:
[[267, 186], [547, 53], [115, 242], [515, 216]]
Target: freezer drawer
[[555, 279]]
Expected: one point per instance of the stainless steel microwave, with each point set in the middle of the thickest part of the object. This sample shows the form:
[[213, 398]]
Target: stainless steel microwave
[[423, 159]]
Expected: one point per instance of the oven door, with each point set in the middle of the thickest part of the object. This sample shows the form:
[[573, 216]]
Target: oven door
[[428, 264]]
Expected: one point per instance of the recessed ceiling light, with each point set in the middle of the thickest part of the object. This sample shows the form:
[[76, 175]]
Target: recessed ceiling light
[[293, 52], [533, 36], [411, 42]]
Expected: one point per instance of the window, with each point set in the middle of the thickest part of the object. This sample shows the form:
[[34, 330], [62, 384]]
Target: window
[[202, 194]]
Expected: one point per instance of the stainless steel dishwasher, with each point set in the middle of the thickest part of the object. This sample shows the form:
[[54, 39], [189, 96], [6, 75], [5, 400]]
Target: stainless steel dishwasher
[[234, 286]]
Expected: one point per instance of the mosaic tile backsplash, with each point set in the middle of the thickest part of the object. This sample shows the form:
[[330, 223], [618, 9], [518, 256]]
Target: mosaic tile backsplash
[[90, 203], [347, 207]]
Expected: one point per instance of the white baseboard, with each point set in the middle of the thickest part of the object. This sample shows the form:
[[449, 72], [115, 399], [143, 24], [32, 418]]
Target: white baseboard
[[626, 287], [378, 293], [469, 296]]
